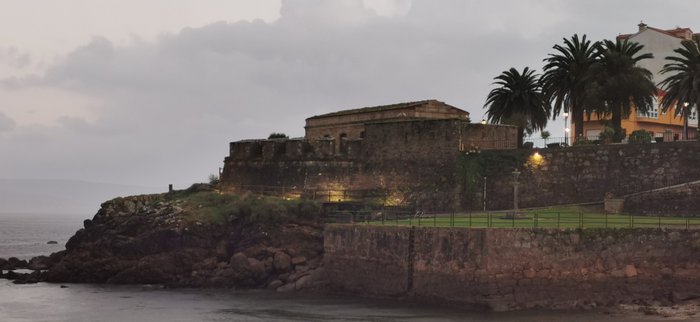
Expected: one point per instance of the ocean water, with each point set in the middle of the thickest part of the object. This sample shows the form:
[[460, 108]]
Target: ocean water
[[26, 236]]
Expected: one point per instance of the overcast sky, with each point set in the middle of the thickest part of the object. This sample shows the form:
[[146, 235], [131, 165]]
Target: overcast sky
[[151, 92]]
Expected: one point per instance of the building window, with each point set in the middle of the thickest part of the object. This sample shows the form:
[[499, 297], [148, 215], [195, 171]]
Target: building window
[[653, 113]]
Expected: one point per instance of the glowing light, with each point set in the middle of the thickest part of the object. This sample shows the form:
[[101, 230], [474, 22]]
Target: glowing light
[[535, 160], [483, 121], [567, 130]]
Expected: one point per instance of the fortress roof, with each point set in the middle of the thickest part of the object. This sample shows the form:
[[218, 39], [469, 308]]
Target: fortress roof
[[383, 108]]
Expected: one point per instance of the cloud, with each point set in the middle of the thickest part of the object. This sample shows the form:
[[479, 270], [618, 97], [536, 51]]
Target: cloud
[[6, 123], [14, 58], [163, 111]]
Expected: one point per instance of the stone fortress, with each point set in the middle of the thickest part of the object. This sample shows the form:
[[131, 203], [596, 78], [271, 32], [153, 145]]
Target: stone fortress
[[373, 151], [423, 154]]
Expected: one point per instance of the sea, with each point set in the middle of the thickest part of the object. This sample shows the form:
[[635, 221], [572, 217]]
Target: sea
[[25, 236]]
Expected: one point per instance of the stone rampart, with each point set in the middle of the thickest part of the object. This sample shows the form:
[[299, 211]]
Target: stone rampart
[[409, 160], [508, 269], [585, 173]]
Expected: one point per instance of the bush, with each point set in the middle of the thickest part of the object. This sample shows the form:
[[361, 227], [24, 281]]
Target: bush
[[214, 179], [607, 135], [640, 136], [276, 135], [582, 140]]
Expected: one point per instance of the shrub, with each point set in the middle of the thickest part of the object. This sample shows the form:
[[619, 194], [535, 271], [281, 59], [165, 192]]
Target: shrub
[[582, 140], [607, 135], [640, 136], [276, 135], [214, 179]]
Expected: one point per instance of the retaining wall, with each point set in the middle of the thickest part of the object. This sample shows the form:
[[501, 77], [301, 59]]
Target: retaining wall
[[508, 269]]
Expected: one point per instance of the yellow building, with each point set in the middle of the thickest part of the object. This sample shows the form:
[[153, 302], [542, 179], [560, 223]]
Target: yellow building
[[661, 44]]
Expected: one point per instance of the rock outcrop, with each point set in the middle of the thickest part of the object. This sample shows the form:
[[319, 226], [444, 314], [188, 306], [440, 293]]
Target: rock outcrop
[[193, 238]]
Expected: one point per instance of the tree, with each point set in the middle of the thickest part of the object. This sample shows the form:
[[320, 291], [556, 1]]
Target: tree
[[275, 135], [566, 78], [518, 101], [545, 135], [682, 86], [620, 83]]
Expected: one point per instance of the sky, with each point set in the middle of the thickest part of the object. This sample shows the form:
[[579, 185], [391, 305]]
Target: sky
[[151, 92]]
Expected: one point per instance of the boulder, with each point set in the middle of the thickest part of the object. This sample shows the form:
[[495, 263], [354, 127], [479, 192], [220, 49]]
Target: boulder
[[39, 263], [274, 284], [299, 260], [239, 261], [303, 282], [282, 261]]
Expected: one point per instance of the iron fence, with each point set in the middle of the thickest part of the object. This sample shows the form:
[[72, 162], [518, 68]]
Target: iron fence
[[511, 219]]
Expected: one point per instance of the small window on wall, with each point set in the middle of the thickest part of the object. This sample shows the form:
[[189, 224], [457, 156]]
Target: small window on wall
[[362, 135], [592, 134]]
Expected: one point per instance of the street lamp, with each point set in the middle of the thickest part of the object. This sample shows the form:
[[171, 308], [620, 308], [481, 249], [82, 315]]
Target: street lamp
[[566, 128], [685, 120]]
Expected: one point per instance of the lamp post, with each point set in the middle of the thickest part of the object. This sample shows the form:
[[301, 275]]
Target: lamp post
[[685, 120], [516, 174], [566, 128]]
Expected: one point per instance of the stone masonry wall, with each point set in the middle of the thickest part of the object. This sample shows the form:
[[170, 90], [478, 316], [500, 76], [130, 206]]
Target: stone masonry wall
[[411, 160], [678, 200], [587, 173], [507, 269]]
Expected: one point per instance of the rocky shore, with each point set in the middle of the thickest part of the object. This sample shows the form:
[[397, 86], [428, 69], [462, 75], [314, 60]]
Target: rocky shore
[[193, 238]]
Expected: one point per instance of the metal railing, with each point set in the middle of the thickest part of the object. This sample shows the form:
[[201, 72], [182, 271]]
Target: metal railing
[[512, 219]]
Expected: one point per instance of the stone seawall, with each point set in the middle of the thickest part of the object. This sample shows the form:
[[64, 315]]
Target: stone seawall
[[508, 269]]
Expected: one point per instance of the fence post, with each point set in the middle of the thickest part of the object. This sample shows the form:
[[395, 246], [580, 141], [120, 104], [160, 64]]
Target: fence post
[[580, 220]]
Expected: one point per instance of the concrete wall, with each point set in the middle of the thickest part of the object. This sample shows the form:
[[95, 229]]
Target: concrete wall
[[506, 269]]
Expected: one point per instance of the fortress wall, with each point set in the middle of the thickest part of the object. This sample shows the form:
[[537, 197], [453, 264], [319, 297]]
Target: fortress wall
[[506, 269], [587, 173]]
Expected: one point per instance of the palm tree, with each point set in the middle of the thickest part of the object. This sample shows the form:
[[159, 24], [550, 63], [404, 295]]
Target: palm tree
[[682, 86], [566, 78], [518, 101], [620, 83]]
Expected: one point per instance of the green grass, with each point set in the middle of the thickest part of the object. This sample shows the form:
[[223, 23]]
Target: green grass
[[552, 217]]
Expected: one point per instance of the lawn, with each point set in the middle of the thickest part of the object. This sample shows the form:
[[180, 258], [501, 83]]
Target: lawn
[[552, 217]]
